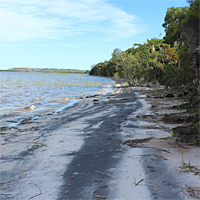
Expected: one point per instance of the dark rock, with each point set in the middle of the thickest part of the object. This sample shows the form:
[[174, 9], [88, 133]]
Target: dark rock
[[49, 113], [180, 95], [124, 99], [26, 121], [169, 95], [4, 128], [91, 96]]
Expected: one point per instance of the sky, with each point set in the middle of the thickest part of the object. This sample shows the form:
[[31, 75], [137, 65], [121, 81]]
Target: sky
[[75, 34]]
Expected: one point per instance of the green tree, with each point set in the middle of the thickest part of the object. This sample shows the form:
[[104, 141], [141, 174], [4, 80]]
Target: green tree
[[190, 25], [172, 24], [132, 69]]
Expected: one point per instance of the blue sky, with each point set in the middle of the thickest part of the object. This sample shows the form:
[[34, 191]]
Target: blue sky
[[75, 34]]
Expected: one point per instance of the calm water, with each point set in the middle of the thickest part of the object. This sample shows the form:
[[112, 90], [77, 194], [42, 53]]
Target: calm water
[[27, 95]]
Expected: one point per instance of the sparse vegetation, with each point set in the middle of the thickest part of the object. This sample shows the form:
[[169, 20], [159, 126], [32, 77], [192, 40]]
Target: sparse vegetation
[[47, 70]]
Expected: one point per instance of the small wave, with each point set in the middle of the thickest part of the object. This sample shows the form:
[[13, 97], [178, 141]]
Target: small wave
[[38, 98], [32, 107], [72, 103], [64, 99], [8, 115]]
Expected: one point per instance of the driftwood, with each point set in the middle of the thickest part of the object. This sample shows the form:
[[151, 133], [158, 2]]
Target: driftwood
[[102, 197], [38, 189], [139, 182], [104, 174], [8, 181]]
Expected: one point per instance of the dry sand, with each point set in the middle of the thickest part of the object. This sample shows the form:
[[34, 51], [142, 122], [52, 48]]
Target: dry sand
[[82, 153]]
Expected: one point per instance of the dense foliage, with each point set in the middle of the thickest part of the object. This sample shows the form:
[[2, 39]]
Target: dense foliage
[[168, 61]]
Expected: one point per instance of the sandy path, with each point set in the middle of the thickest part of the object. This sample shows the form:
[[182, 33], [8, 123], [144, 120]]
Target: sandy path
[[78, 154]]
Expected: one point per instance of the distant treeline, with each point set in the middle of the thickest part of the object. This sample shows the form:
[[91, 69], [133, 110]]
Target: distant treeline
[[46, 70], [172, 61]]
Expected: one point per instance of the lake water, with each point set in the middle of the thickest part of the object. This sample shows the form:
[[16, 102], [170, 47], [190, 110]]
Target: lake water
[[29, 95]]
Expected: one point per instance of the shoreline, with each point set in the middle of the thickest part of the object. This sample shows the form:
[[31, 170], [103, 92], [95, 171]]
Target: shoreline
[[80, 153]]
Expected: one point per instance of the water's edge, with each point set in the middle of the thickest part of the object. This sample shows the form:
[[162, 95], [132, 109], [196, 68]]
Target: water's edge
[[32, 112]]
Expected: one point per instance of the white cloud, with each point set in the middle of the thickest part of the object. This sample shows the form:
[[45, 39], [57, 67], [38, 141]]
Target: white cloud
[[53, 19]]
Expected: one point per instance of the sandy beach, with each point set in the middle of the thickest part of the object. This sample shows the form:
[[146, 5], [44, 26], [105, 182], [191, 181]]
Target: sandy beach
[[105, 147]]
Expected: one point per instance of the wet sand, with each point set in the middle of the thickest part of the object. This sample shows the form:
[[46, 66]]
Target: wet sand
[[83, 153]]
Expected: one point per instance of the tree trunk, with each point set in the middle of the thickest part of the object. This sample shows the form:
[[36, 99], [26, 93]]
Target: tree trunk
[[196, 81]]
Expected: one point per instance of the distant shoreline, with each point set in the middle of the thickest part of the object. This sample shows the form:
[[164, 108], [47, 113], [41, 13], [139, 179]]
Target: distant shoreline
[[46, 70]]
